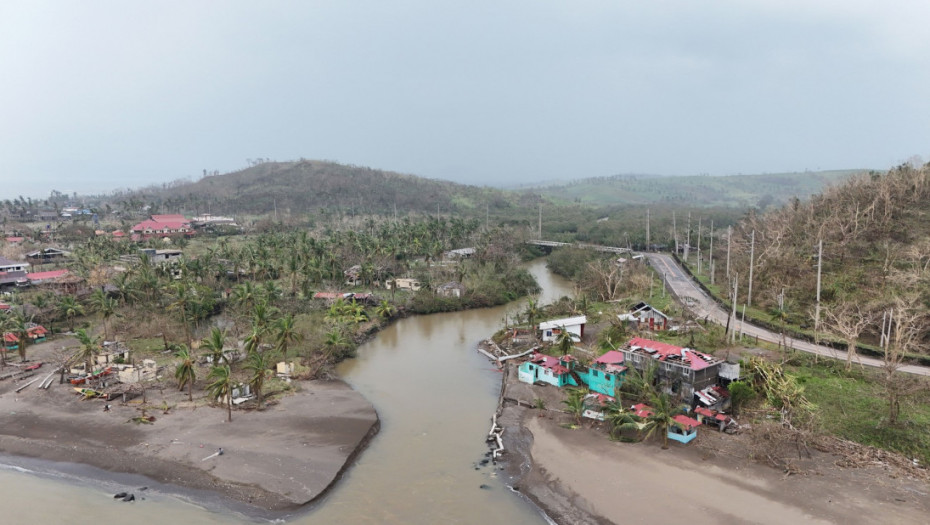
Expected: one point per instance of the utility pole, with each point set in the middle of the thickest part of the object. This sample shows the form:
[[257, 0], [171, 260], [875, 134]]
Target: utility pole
[[675, 232], [729, 236], [688, 237], [487, 216], [710, 260], [647, 229], [540, 221], [817, 307], [752, 252], [732, 318], [699, 245]]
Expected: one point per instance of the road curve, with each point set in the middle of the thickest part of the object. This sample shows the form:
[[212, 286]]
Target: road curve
[[695, 299]]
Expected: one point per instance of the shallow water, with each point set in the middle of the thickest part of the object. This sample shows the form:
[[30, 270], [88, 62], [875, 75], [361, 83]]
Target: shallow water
[[435, 395]]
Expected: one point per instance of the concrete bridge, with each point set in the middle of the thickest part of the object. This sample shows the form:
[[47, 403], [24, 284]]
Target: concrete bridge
[[595, 247]]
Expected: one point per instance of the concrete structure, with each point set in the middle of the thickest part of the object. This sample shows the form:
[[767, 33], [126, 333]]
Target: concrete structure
[[551, 329], [681, 371], [684, 429], [543, 368], [7, 265]]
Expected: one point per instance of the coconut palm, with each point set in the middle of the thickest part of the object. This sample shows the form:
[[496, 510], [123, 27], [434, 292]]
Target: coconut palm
[[107, 306], [185, 371], [221, 386], [574, 404], [257, 364], [214, 344], [287, 334], [334, 342], [90, 347], [663, 410], [69, 307], [564, 341], [385, 310]]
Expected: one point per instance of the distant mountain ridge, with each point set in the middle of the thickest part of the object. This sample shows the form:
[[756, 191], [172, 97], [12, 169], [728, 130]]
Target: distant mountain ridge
[[741, 191]]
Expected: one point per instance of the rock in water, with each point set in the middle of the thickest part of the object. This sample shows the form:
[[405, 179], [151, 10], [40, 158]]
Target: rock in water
[[119, 495], [130, 497]]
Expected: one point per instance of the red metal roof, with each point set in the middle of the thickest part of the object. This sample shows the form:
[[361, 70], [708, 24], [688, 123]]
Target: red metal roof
[[642, 410], [549, 362], [664, 350], [41, 276], [15, 239], [686, 422], [612, 357], [10, 338]]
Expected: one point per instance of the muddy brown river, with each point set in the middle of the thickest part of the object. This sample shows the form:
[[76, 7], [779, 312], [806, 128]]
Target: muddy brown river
[[434, 394]]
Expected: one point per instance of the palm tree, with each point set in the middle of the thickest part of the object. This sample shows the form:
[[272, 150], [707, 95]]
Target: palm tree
[[185, 372], [663, 410], [287, 334], [257, 364], [335, 341], [90, 347], [386, 310], [575, 403], [107, 307], [564, 341], [214, 343], [221, 386], [620, 419], [532, 311], [70, 308], [182, 299]]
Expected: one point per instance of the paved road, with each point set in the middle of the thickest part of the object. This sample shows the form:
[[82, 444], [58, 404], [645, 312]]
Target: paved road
[[703, 306]]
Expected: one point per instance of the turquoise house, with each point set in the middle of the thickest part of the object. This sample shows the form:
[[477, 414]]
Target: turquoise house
[[543, 368], [606, 374], [684, 429]]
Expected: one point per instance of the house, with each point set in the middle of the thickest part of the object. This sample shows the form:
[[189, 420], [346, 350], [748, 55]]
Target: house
[[50, 277], [15, 240], [551, 329], [460, 253], [10, 341], [7, 265], [163, 225], [36, 333], [714, 397], [403, 284], [682, 371], [47, 254], [710, 417], [353, 274], [162, 256], [645, 316], [542, 368], [606, 374], [451, 289], [683, 429], [595, 406], [10, 279]]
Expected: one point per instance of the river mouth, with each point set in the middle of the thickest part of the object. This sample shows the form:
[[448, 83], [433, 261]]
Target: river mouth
[[434, 394]]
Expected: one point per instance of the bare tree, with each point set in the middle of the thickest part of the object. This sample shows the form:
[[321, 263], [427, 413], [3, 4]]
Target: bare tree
[[903, 330], [848, 320]]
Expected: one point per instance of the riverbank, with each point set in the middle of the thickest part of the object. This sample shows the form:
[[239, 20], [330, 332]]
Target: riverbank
[[275, 460], [580, 476]]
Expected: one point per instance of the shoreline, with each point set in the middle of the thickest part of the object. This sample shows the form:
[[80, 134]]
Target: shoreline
[[579, 476], [276, 462]]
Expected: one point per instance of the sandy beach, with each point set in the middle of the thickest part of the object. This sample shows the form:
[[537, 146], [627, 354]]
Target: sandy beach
[[580, 476], [277, 459]]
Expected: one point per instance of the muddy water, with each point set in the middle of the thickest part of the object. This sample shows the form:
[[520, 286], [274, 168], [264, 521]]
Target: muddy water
[[434, 394]]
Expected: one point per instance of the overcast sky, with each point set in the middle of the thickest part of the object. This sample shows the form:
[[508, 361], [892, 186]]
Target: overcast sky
[[98, 95]]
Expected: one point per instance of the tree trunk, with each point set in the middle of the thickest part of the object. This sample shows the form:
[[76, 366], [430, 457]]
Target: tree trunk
[[229, 407]]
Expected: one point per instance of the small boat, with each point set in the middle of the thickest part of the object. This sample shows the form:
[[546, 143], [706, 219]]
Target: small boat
[[88, 393], [102, 372]]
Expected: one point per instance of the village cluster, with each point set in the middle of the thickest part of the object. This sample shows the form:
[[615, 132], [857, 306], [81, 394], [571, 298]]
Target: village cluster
[[695, 382]]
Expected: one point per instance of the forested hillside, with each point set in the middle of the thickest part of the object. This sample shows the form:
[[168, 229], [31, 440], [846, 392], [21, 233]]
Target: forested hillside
[[736, 191], [308, 185], [876, 255]]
